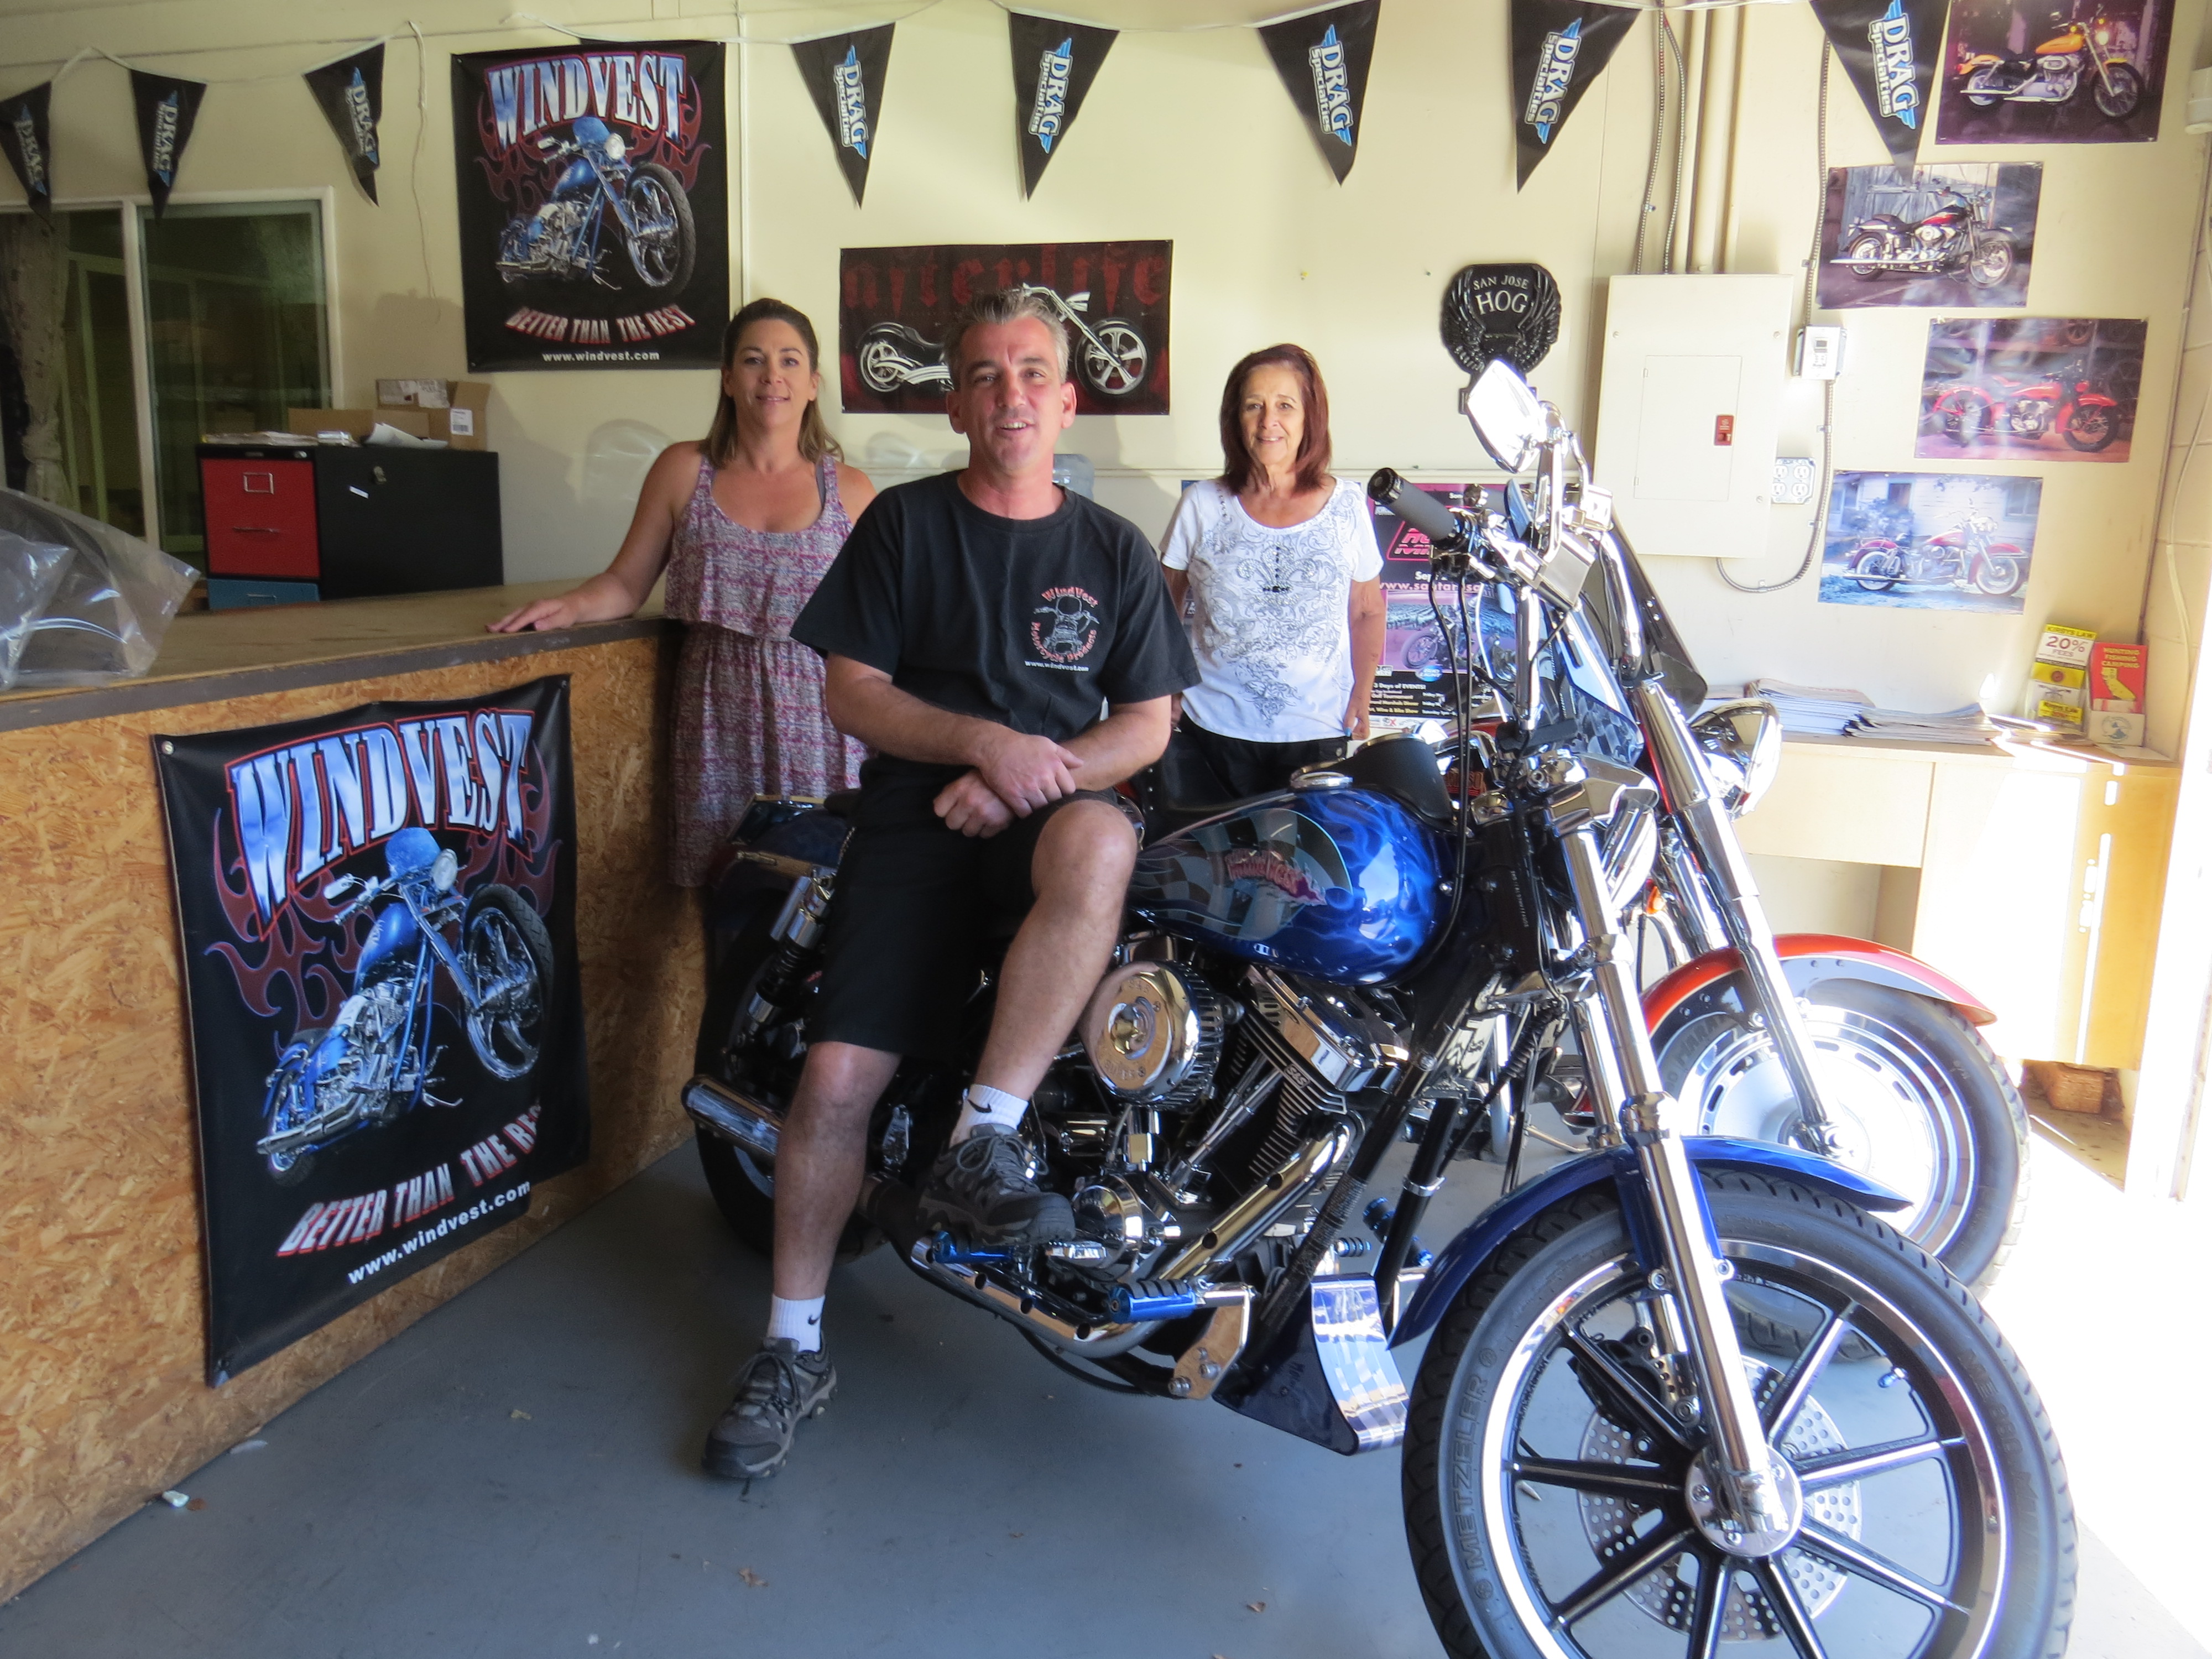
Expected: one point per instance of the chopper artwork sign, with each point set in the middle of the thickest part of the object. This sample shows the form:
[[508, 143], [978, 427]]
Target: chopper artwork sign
[[593, 191], [377, 917]]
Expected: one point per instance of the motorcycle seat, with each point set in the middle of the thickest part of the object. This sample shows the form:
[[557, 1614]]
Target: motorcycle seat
[[841, 804]]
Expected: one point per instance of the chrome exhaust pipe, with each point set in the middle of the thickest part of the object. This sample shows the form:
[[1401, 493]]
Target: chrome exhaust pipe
[[745, 1123]]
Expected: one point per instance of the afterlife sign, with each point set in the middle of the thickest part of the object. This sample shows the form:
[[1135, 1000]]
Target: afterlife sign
[[594, 206], [377, 915]]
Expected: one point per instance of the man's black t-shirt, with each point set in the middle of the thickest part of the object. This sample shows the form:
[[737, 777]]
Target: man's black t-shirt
[[1029, 623]]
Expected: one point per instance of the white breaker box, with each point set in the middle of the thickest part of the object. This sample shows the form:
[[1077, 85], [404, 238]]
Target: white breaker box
[[1686, 410]]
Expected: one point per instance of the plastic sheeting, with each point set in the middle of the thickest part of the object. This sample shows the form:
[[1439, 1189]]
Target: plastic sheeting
[[108, 602]]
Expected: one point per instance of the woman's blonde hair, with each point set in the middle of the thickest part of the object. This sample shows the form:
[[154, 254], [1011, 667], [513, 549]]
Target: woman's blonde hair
[[814, 439]]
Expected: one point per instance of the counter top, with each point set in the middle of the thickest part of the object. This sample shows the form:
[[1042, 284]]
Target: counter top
[[211, 655]]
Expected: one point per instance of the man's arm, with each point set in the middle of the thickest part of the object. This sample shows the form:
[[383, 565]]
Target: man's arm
[[1024, 772], [1131, 738]]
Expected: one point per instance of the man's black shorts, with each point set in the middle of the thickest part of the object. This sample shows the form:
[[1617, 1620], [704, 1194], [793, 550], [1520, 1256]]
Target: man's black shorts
[[917, 906]]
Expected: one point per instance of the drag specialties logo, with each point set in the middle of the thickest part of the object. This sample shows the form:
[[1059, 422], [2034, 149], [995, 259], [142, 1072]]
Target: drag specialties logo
[[35, 158], [1891, 36], [1264, 864], [1065, 628], [642, 90], [1332, 86], [848, 81], [360, 119], [162, 160], [1555, 74], [1050, 107]]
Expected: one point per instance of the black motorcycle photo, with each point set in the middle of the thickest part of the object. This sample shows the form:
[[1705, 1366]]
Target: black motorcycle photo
[[1705, 1379]]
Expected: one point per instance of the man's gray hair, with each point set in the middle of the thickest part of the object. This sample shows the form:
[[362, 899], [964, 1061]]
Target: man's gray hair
[[1006, 305]]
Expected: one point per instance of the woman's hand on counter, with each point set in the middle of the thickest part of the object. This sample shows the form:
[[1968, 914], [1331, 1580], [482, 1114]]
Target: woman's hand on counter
[[544, 615]]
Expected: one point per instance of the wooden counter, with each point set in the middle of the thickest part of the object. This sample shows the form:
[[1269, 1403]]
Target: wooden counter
[[102, 1400]]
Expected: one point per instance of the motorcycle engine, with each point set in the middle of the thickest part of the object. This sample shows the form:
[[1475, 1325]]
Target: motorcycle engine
[[1153, 1033]]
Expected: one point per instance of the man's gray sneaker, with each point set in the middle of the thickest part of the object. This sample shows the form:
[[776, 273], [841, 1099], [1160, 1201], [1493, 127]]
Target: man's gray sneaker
[[980, 1191], [778, 1386]]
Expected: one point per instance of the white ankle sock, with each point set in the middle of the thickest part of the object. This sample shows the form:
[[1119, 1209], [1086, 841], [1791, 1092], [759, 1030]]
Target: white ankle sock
[[983, 1105], [799, 1321]]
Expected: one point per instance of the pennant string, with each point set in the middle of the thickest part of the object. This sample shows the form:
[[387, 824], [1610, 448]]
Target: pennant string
[[415, 163]]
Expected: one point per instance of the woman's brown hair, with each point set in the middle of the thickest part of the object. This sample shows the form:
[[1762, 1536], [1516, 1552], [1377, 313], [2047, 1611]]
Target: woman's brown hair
[[814, 439], [1238, 470]]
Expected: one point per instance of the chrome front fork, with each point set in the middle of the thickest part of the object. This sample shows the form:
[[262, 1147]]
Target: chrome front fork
[[1632, 1102], [1734, 892]]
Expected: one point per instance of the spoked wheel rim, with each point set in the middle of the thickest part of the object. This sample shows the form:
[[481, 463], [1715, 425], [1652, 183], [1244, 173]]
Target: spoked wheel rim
[[1587, 1506], [653, 252], [505, 1019], [1991, 264], [1897, 1115]]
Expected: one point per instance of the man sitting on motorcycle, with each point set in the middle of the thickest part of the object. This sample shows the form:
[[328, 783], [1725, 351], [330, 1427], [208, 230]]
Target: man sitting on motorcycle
[[973, 627]]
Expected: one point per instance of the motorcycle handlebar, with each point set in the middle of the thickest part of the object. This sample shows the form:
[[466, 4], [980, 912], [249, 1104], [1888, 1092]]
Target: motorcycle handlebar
[[1417, 507]]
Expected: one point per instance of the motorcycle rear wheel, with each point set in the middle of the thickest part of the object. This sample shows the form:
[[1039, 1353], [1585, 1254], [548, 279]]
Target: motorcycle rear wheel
[[290, 1168], [1991, 261], [2127, 91], [1877, 573], [2091, 430], [1865, 252], [1118, 369], [1547, 1482], [878, 361]]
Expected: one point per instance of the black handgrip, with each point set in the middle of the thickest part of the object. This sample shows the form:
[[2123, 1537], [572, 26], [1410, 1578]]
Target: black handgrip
[[1419, 510]]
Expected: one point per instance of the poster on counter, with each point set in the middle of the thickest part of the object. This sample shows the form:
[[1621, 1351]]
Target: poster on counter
[[593, 186], [2021, 73], [1979, 220], [2045, 388], [1930, 541], [894, 304], [1411, 683], [377, 914]]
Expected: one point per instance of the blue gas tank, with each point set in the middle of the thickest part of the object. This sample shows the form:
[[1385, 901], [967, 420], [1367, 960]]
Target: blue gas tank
[[1343, 884]]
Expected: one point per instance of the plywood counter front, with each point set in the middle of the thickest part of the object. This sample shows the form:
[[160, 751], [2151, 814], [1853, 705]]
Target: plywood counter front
[[103, 1401]]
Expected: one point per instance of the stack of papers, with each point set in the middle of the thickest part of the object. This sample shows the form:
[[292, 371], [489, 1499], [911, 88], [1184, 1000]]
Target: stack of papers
[[1839, 712], [1968, 724]]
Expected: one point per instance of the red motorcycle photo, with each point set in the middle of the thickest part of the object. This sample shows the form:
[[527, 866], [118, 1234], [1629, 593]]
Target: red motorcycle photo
[[1965, 556], [2056, 388], [2026, 411]]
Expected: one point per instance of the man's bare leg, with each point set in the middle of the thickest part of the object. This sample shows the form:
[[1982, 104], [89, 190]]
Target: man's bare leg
[[820, 1162]]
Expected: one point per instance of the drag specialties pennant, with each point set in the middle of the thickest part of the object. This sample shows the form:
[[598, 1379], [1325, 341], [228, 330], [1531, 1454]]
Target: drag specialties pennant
[[845, 74], [1890, 49], [1055, 64], [351, 93], [27, 137], [1322, 58], [1560, 46], [166, 108]]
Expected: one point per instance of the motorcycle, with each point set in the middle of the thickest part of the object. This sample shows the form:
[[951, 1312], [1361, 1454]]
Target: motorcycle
[[1679, 1389], [1967, 556], [561, 241], [1111, 358], [2067, 403], [2083, 52], [1951, 242], [374, 1061]]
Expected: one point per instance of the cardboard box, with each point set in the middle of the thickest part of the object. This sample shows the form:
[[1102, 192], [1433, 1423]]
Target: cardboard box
[[415, 394], [460, 425], [2116, 678], [2114, 731]]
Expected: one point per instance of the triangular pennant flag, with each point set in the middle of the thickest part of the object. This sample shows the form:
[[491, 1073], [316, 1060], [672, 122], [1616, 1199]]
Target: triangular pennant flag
[[27, 137], [1055, 64], [166, 109], [351, 93], [845, 74], [1560, 46], [1890, 49], [1322, 58]]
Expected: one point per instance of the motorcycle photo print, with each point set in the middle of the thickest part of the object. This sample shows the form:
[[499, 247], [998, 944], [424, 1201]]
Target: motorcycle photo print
[[377, 915], [1930, 541], [2028, 72], [594, 189], [894, 303], [2055, 388], [1959, 234]]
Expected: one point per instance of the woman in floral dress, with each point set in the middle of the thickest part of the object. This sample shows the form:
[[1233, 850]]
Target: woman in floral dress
[[745, 523]]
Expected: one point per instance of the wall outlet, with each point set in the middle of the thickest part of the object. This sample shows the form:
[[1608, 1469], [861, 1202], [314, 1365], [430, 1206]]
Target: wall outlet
[[1821, 352], [1794, 476]]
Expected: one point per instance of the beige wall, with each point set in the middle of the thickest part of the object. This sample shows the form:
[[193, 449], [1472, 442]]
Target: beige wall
[[1190, 137]]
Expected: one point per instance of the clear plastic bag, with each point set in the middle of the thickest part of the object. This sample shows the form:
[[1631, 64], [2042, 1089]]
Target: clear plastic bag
[[105, 618], [29, 573]]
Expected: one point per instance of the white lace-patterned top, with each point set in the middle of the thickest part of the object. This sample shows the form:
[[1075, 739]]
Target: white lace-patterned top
[[1271, 619]]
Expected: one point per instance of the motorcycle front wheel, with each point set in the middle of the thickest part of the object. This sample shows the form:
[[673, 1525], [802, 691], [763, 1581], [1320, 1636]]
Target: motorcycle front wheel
[[510, 962], [663, 244], [1915, 1098], [1998, 575], [1991, 262], [2091, 430], [2117, 92], [1553, 1489], [1116, 366]]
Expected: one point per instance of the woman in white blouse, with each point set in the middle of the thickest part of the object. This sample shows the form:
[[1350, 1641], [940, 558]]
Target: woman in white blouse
[[1275, 567]]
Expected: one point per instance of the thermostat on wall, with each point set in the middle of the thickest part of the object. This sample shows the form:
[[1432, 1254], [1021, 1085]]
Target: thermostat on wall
[[1821, 352]]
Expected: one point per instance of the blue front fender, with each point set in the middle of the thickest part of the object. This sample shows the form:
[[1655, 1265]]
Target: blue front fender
[[1457, 1262]]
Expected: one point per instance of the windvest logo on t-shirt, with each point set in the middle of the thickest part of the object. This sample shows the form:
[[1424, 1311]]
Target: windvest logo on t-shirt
[[1066, 629]]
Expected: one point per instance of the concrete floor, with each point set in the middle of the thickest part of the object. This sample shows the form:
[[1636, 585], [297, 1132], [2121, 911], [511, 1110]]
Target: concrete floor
[[517, 1476]]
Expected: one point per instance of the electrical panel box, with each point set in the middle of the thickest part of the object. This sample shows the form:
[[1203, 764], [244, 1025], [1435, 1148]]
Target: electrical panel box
[[1686, 410]]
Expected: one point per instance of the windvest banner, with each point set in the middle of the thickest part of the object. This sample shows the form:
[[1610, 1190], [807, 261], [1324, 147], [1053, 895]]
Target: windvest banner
[[845, 77], [27, 134], [377, 915], [1055, 64], [1323, 58], [1890, 49], [166, 108], [352, 94], [1560, 46]]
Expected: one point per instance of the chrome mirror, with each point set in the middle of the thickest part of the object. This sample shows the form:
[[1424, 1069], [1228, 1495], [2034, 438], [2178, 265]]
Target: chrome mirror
[[1505, 414], [1743, 741]]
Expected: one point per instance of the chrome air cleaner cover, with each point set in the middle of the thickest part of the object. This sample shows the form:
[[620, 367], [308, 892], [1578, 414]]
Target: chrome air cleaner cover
[[1153, 1033]]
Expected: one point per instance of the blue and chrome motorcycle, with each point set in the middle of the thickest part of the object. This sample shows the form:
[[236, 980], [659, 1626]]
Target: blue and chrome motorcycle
[[652, 244], [374, 1061], [1677, 1390]]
